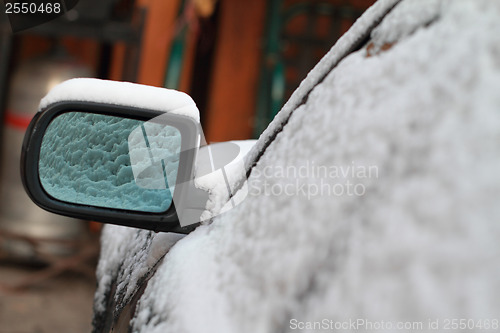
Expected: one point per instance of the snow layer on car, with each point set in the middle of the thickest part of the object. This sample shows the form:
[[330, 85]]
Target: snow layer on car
[[422, 241], [122, 93], [127, 255]]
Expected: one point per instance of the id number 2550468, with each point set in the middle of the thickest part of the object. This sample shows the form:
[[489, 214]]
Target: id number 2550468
[[32, 8]]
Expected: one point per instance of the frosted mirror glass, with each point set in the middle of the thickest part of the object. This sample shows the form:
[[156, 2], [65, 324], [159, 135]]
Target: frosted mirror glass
[[107, 161]]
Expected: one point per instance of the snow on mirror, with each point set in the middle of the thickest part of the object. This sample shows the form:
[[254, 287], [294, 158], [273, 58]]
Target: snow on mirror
[[107, 161]]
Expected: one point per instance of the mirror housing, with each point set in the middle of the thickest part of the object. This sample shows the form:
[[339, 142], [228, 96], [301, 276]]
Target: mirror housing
[[128, 101]]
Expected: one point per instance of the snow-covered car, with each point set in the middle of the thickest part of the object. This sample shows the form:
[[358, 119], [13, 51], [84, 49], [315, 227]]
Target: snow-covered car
[[372, 197]]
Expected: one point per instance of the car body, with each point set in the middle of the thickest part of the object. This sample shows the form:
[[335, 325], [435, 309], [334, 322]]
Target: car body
[[372, 197]]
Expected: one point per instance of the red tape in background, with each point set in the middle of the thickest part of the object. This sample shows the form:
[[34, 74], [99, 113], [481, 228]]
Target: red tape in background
[[17, 121]]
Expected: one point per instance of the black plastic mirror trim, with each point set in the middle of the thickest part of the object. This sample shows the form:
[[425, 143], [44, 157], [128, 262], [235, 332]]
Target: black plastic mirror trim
[[167, 221]]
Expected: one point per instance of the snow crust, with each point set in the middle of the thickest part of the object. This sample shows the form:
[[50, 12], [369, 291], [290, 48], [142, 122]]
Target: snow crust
[[122, 93], [421, 243], [85, 159]]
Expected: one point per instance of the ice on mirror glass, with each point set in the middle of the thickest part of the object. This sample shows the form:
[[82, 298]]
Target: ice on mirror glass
[[85, 159], [154, 154]]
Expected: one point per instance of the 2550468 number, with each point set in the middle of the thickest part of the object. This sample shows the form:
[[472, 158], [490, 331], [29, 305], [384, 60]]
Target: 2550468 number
[[32, 8], [471, 324]]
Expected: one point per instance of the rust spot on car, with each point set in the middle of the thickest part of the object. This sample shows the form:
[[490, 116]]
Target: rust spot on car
[[373, 50]]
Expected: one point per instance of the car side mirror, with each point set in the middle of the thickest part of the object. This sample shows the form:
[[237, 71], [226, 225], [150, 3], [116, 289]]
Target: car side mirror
[[117, 153]]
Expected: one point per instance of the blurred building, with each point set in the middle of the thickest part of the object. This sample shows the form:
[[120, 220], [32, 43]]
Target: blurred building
[[240, 60]]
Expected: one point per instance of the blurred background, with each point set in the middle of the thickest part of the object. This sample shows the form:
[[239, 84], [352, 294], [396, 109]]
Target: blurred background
[[239, 60]]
